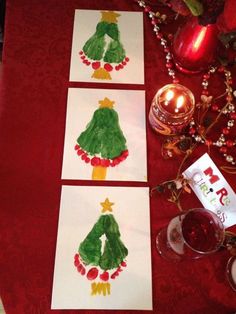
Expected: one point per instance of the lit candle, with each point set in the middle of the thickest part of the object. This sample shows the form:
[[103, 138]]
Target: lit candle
[[171, 109]]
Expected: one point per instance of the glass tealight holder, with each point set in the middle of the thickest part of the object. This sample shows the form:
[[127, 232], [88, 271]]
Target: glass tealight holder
[[172, 109]]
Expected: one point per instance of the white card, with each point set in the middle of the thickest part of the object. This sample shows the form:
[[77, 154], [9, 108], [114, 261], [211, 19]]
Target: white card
[[130, 108], [81, 207], [129, 28], [212, 189]]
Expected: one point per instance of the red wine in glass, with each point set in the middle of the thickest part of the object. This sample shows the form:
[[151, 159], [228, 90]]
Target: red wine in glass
[[191, 235]]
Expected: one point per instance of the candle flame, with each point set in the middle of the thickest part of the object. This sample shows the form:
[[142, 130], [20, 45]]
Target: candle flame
[[180, 102], [169, 95]]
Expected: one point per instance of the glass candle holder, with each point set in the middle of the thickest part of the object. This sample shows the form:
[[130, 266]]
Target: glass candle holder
[[194, 46], [172, 109]]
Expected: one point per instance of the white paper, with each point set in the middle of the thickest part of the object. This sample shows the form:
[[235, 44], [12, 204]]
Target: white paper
[[130, 107], [79, 210], [212, 189], [130, 25]]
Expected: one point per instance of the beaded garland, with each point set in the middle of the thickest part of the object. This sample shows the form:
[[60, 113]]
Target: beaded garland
[[206, 101], [228, 110]]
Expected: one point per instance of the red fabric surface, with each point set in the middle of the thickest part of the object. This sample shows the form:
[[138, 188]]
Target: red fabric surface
[[34, 83]]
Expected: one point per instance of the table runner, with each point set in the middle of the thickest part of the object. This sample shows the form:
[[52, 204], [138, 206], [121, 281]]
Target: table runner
[[34, 84]]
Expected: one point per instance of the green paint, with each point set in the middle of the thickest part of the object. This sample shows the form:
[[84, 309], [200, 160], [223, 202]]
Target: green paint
[[94, 48], [115, 52], [114, 250], [103, 135]]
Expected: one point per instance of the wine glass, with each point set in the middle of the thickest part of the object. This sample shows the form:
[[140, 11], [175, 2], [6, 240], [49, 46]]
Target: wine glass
[[192, 234], [231, 272]]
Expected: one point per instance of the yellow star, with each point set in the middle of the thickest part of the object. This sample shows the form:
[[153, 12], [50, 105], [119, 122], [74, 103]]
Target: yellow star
[[106, 103], [106, 205], [109, 16]]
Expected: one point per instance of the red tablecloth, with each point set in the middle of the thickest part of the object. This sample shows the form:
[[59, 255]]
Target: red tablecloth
[[34, 84]]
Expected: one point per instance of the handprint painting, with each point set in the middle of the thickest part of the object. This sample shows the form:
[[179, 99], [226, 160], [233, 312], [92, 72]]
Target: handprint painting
[[107, 47], [105, 136], [103, 255]]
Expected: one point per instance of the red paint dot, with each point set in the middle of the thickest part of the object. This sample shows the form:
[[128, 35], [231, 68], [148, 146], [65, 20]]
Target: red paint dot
[[92, 273], [79, 152], [76, 256], [95, 161], [87, 160], [76, 263], [84, 156], [96, 65], [104, 276], [83, 271], [108, 67]]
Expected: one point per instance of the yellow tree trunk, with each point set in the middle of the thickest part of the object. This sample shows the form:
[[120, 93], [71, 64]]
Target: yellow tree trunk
[[99, 173]]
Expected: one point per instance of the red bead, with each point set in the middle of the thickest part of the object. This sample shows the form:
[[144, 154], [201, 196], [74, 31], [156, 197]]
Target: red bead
[[81, 52], [229, 98], [77, 147], [175, 81], [167, 49], [123, 63], [206, 76], [233, 115], [223, 150], [230, 82], [208, 142], [169, 65], [117, 68], [192, 131], [147, 9], [127, 59], [215, 107], [225, 131], [159, 36], [229, 143], [154, 21], [221, 69], [205, 92], [170, 36]]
